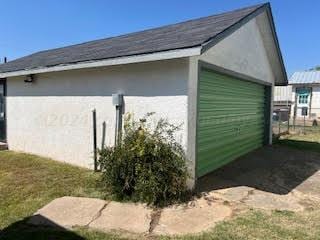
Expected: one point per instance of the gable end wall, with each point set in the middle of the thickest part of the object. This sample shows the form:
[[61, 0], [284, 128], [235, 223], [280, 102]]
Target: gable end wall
[[243, 52]]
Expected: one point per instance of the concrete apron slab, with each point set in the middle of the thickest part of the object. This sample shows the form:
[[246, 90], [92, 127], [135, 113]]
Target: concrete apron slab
[[195, 217], [130, 217], [311, 187], [232, 194], [257, 199], [68, 212], [271, 201]]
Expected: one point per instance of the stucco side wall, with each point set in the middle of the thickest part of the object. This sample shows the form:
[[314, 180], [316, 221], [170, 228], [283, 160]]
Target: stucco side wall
[[53, 116]]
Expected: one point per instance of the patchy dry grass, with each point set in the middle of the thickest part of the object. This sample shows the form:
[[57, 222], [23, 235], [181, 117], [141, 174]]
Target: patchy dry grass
[[262, 225], [309, 137], [28, 182], [309, 141]]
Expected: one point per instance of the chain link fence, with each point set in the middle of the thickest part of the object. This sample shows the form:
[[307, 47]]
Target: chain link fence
[[281, 121], [306, 124], [285, 121]]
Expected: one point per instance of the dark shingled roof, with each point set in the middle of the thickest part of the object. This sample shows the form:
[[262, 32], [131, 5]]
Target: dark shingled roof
[[177, 36]]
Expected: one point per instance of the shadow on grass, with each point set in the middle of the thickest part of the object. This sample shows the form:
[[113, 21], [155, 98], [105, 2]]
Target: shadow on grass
[[21, 230], [302, 145], [276, 169]]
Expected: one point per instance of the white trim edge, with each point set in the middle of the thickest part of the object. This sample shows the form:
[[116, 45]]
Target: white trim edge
[[110, 62]]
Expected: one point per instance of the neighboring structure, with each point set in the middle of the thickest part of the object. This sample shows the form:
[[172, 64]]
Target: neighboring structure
[[282, 97], [306, 93], [214, 75], [282, 100]]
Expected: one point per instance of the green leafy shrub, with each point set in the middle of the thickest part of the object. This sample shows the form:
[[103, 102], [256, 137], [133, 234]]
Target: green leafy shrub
[[148, 165]]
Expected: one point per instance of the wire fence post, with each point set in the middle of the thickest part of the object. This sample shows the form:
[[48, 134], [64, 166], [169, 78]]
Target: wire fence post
[[279, 122], [288, 122], [94, 119]]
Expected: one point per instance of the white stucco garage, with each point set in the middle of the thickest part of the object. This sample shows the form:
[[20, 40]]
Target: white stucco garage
[[50, 95]]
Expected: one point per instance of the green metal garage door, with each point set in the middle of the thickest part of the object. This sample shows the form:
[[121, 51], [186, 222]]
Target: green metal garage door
[[230, 119]]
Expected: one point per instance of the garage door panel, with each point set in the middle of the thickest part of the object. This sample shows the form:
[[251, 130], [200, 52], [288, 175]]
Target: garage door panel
[[222, 131], [224, 124], [226, 158], [207, 92], [228, 84], [221, 146], [230, 119], [218, 143]]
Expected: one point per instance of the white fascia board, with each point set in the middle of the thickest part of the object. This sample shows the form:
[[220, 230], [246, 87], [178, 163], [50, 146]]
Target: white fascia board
[[110, 62]]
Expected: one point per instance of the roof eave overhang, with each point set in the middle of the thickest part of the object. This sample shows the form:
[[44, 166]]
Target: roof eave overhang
[[164, 55], [275, 37], [304, 84]]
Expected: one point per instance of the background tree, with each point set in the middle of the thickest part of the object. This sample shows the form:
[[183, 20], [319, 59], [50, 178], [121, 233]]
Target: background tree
[[316, 68]]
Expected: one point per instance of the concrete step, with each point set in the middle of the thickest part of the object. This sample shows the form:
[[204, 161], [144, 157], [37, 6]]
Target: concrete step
[[3, 146]]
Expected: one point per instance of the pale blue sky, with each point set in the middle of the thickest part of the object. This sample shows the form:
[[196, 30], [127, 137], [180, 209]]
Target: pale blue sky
[[34, 25]]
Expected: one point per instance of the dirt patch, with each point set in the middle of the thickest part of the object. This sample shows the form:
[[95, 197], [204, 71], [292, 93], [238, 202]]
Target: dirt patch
[[271, 178]]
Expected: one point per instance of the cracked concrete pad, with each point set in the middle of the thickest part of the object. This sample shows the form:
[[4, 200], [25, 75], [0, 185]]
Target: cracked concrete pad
[[195, 217], [234, 194], [271, 201], [311, 186], [68, 212], [130, 217]]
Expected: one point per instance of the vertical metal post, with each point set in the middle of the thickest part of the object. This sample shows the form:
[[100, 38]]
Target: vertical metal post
[[288, 116], [120, 124], [117, 101], [310, 103], [94, 119], [304, 124], [103, 135], [118, 129], [295, 109], [279, 131], [267, 115], [279, 121]]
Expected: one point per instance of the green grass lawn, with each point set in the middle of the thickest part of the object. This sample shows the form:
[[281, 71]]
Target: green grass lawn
[[28, 182], [277, 225], [308, 142]]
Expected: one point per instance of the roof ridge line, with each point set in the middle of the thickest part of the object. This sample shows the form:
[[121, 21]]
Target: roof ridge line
[[207, 44], [150, 29]]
